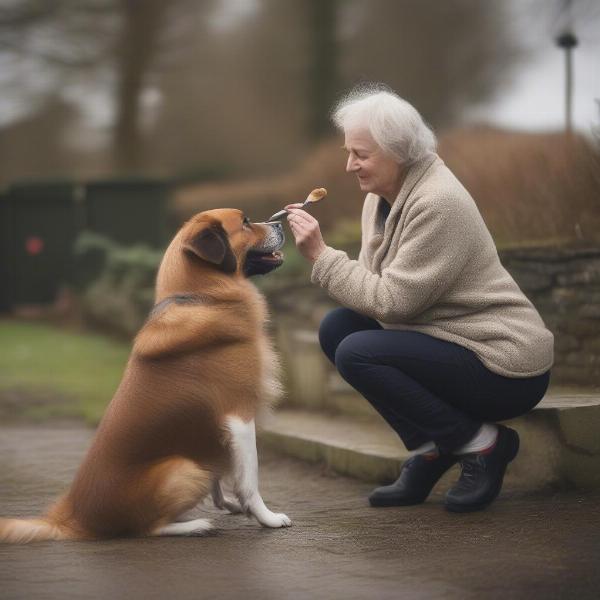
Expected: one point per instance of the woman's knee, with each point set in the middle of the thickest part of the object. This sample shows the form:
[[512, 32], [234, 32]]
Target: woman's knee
[[329, 325], [334, 327], [340, 323], [328, 333], [348, 355]]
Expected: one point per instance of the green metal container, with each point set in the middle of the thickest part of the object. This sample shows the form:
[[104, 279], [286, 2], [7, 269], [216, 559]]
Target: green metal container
[[129, 210], [40, 221]]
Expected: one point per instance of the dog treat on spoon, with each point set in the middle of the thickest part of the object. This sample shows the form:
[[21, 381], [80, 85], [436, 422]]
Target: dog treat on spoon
[[316, 195]]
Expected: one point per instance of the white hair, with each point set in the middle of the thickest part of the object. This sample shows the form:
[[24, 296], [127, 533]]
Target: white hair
[[395, 124]]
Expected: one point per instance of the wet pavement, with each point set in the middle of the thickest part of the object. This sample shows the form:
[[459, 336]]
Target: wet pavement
[[543, 545]]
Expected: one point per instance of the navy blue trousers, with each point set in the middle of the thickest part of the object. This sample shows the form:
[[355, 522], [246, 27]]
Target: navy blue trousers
[[425, 388]]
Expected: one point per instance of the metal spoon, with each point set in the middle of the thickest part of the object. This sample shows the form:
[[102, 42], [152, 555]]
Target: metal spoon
[[314, 196]]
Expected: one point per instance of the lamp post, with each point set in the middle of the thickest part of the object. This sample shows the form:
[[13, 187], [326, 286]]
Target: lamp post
[[567, 41]]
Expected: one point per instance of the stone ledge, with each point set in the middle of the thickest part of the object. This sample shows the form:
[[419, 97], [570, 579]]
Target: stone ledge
[[560, 445], [362, 447]]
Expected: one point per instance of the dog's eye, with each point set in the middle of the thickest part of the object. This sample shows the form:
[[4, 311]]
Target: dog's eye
[[246, 222]]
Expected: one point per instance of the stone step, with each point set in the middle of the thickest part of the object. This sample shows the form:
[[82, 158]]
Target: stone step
[[359, 446], [560, 442]]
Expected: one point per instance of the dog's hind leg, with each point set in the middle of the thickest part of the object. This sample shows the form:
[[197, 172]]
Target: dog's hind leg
[[222, 502], [245, 473], [180, 484]]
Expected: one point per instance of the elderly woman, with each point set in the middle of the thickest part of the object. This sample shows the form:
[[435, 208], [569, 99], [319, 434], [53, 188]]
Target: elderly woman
[[433, 332]]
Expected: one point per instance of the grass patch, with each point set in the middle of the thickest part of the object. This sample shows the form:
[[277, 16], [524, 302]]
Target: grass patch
[[50, 372]]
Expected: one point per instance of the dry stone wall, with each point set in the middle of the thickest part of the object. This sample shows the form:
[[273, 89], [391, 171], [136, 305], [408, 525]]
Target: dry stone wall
[[564, 285]]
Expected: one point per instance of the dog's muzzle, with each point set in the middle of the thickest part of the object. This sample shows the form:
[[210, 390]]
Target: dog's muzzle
[[266, 256]]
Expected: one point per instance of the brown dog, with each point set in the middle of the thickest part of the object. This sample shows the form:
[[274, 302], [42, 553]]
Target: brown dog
[[183, 416]]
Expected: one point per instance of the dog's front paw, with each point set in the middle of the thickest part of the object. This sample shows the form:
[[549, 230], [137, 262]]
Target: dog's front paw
[[276, 520]]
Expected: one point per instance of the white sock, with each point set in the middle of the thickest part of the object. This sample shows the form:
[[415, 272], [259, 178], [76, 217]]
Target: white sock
[[426, 447], [483, 439]]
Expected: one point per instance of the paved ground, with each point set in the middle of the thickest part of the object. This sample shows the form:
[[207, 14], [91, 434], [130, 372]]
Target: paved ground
[[525, 546]]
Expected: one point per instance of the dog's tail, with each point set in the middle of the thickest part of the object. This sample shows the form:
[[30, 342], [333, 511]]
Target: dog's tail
[[23, 531]]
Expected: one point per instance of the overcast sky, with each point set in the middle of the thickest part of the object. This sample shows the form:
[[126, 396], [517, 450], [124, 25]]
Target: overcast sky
[[535, 99]]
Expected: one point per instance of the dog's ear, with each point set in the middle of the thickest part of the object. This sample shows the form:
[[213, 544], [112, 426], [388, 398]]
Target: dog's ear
[[212, 245]]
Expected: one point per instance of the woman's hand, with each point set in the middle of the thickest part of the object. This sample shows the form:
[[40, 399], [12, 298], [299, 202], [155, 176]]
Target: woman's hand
[[307, 232]]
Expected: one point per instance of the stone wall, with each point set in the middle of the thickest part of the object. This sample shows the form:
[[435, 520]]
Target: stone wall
[[564, 285]]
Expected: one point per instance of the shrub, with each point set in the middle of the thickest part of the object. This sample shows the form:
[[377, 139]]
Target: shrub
[[531, 188], [116, 282]]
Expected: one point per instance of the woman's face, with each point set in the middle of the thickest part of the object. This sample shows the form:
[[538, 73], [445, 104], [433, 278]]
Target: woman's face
[[377, 172]]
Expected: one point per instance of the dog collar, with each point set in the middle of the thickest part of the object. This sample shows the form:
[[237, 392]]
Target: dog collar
[[179, 299]]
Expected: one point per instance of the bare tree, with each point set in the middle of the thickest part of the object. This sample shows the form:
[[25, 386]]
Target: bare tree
[[47, 44], [66, 40], [137, 47], [252, 96], [442, 56], [235, 99], [323, 72]]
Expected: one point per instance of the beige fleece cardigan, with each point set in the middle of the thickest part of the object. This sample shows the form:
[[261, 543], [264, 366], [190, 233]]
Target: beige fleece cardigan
[[432, 267]]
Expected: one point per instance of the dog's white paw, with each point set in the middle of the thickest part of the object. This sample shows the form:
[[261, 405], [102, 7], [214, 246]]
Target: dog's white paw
[[276, 520]]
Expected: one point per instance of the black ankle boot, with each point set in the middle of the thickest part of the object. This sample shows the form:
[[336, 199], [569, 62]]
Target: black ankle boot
[[482, 474], [417, 478]]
